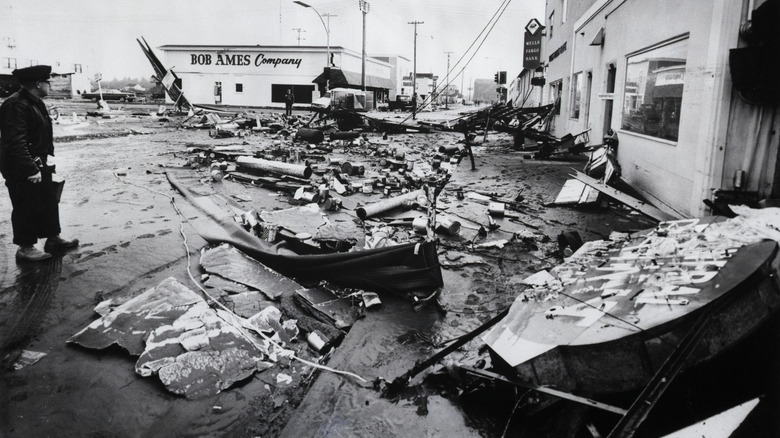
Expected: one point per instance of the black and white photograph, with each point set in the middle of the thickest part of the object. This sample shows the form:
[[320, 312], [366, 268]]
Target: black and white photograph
[[390, 218]]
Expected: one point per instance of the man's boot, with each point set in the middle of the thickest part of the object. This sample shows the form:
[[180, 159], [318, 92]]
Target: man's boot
[[58, 243], [30, 253]]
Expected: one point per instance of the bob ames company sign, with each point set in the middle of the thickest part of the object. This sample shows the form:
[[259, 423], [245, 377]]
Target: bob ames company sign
[[241, 59]]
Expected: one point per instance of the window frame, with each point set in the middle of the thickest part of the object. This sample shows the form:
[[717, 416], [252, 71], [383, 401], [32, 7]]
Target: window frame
[[646, 108]]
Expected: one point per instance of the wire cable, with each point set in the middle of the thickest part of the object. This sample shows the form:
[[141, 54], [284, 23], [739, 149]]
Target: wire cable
[[486, 31]]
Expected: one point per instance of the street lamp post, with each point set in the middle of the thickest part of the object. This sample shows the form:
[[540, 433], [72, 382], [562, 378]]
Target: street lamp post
[[364, 6], [327, 33]]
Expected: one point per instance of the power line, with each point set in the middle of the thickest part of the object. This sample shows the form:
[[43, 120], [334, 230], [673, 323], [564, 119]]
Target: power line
[[486, 31], [299, 30]]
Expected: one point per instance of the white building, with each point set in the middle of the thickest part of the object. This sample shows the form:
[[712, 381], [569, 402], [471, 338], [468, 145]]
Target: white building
[[401, 68], [658, 73], [261, 75], [521, 92], [68, 79]]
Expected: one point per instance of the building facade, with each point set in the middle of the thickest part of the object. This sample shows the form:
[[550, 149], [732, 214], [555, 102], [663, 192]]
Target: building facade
[[522, 93], [68, 79], [400, 68], [658, 73], [261, 75]]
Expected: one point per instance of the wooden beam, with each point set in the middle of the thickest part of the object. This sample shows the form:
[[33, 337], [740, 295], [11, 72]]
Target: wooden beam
[[545, 390], [623, 198]]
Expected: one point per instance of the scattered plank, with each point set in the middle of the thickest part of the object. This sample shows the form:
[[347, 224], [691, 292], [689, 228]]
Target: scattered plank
[[623, 198]]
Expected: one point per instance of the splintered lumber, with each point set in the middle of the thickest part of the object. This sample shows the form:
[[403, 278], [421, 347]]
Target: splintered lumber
[[388, 204], [628, 200], [297, 170]]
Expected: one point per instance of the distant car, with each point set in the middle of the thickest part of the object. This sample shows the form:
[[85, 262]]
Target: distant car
[[401, 102], [109, 95]]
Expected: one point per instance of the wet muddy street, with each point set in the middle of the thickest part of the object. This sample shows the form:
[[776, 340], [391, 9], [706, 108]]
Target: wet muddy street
[[136, 230]]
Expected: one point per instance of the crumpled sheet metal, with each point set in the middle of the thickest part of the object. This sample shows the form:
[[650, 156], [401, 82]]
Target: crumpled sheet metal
[[194, 349], [402, 269], [230, 263]]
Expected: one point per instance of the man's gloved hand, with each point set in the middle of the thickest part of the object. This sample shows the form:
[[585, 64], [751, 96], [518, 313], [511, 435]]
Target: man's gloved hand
[[35, 178]]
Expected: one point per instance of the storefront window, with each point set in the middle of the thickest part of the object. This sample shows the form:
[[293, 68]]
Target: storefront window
[[576, 96], [653, 91]]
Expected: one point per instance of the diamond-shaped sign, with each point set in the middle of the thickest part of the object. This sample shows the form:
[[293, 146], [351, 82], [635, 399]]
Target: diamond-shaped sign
[[533, 26]]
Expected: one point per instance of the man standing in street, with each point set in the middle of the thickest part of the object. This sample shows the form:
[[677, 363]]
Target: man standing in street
[[289, 99], [26, 141]]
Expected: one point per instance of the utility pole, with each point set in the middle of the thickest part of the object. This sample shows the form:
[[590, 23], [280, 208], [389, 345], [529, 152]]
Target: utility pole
[[447, 90], [414, 70], [327, 28], [364, 6], [299, 30]]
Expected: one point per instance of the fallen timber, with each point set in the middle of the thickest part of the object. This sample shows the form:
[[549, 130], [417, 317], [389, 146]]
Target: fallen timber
[[500, 118], [348, 119], [613, 315]]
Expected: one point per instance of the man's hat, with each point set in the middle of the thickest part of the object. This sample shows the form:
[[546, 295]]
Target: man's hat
[[32, 74]]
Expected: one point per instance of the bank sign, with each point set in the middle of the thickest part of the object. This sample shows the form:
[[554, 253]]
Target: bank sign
[[238, 59], [532, 48]]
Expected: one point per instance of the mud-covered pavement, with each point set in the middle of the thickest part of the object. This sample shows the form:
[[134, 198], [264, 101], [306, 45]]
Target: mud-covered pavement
[[117, 201]]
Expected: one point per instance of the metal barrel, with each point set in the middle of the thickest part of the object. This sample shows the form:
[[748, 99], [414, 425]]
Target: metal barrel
[[448, 226]]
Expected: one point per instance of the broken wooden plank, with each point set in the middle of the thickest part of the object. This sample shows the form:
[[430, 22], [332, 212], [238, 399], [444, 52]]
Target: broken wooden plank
[[571, 192], [623, 198], [589, 196]]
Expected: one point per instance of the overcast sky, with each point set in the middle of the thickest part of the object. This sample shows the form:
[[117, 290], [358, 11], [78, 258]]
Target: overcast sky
[[102, 34]]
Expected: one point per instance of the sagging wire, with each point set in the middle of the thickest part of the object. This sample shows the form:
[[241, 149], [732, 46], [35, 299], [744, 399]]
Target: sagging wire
[[494, 19], [235, 324]]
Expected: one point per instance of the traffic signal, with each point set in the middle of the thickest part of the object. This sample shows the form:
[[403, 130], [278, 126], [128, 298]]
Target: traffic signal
[[495, 78], [502, 77]]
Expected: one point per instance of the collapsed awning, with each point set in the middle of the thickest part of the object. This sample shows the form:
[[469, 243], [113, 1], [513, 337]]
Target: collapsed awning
[[341, 78]]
